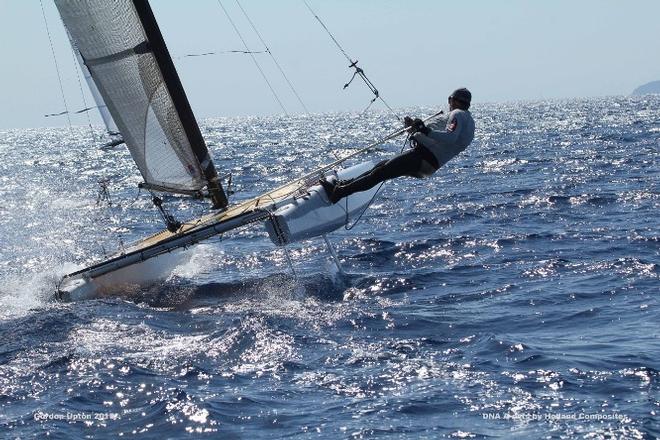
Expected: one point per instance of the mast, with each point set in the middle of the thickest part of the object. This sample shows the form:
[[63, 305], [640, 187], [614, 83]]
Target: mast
[[178, 95]]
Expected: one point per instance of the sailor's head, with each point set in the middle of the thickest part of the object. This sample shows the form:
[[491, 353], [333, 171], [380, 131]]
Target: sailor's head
[[460, 98]]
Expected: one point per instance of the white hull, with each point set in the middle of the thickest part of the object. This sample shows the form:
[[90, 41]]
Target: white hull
[[138, 275], [312, 215]]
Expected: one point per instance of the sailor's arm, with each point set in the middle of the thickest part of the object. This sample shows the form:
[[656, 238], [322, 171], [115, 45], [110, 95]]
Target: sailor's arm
[[438, 122], [448, 134]]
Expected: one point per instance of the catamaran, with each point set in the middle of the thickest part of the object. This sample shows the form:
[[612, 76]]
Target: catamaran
[[131, 71]]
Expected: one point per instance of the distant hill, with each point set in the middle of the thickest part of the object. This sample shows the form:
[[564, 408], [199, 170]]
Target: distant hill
[[652, 87]]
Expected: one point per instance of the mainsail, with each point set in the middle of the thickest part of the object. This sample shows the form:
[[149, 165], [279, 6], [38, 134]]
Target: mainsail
[[124, 51]]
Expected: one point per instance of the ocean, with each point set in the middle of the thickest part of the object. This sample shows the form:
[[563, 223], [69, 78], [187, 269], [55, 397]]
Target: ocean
[[512, 295]]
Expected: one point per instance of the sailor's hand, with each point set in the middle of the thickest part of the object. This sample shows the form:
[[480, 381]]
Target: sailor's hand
[[413, 125], [418, 126]]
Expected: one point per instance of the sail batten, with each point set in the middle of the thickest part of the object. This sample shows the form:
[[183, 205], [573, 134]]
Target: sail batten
[[126, 56], [141, 48]]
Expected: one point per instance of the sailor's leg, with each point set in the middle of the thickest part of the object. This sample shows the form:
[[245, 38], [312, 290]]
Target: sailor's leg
[[404, 164], [366, 173], [380, 164]]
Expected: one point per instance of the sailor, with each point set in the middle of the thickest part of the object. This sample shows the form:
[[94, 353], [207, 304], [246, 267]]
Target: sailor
[[434, 144]]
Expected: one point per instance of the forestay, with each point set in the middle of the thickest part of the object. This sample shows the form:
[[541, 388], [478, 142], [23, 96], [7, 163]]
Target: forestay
[[126, 56]]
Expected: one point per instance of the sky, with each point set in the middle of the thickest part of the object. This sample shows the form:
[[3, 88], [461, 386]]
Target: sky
[[415, 53]]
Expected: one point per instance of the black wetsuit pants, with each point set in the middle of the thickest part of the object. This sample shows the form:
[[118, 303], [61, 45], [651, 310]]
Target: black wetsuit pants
[[417, 162]]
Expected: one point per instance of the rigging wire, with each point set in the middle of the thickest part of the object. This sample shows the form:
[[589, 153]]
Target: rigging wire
[[273, 57], [171, 223], [57, 68], [103, 199], [82, 93], [220, 52], [306, 180], [247, 49], [77, 112], [367, 206], [353, 65]]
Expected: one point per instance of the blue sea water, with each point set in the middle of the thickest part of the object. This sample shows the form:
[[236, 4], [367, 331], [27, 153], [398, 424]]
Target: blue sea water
[[512, 295]]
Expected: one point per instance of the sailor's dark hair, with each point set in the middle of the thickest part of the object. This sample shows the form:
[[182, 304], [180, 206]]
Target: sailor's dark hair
[[463, 96]]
